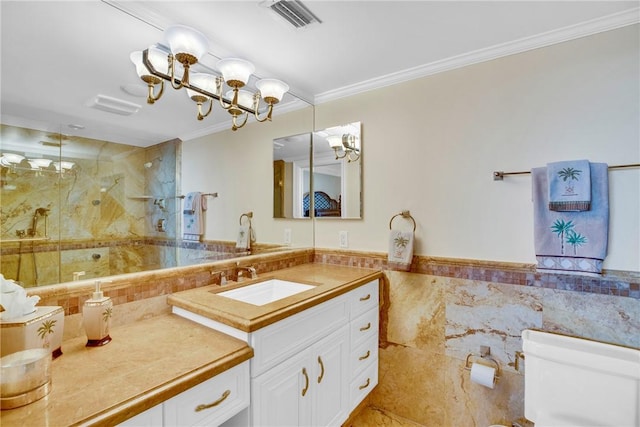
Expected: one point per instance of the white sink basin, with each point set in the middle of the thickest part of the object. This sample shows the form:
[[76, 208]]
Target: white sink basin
[[265, 292]]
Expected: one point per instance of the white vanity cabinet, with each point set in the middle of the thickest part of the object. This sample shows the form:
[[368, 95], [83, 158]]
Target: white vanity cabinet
[[307, 389], [210, 403], [313, 367], [364, 331]]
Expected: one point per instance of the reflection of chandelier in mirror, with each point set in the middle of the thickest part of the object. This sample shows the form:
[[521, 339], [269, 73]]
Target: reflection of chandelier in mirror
[[18, 162], [347, 143], [187, 46]]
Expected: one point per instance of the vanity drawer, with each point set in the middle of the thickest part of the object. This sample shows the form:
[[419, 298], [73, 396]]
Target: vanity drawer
[[364, 326], [211, 402], [289, 336], [364, 298], [362, 385], [363, 355]]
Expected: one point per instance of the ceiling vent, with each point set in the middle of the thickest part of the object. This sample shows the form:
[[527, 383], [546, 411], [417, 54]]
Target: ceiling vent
[[113, 105], [294, 12]]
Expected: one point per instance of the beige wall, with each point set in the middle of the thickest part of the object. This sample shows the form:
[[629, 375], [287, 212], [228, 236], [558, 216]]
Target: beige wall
[[239, 167], [431, 145]]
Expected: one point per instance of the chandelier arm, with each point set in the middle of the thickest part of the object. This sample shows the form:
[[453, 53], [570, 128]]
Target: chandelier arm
[[267, 116], [344, 154], [237, 126], [172, 71], [202, 116], [151, 98], [219, 84]]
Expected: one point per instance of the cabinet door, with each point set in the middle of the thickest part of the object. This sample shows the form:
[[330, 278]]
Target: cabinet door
[[282, 395], [331, 378]]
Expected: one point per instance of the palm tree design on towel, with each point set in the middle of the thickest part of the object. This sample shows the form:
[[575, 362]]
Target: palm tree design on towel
[[566, 229]]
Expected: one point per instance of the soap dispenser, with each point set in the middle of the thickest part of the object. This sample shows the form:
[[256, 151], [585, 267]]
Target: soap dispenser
[[96, 316]]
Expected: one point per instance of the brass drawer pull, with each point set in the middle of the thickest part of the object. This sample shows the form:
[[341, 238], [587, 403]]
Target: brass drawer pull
[[365, 298], [321, 369], [216, 403], [364, 328], [366, 356], [306, 381], [365, 385]]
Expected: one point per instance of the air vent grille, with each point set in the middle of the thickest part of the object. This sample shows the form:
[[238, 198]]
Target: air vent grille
[[296, 13]]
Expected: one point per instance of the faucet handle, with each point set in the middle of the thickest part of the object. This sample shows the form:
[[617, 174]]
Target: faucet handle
[[77, 274]]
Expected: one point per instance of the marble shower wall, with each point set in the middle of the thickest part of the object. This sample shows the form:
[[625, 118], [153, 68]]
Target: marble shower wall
[[430, 324], [109, 195]]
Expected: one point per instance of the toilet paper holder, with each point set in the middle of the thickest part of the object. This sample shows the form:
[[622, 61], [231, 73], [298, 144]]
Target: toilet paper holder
[[485, 354]]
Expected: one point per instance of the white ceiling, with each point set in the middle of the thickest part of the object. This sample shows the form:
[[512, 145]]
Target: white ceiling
[[57, 55]]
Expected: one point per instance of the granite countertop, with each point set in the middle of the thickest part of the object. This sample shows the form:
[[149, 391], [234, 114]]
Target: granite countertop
[[147, 362], [329, 281]]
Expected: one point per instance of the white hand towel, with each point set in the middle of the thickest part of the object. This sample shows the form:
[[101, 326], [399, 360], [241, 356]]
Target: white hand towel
[[400, 250], [244, 238], [193, 216]]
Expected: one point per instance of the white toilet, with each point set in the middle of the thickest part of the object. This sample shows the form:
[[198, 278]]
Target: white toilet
[[577, 382]]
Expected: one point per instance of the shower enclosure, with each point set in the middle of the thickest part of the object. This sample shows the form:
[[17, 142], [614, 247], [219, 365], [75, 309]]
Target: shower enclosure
[[75, 207]]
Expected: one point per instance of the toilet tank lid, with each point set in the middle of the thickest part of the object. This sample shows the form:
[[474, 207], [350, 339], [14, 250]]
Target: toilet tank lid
[[589, 354]]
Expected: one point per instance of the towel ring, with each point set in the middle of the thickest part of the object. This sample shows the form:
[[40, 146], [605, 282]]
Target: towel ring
[[249, 215], [405, 215]]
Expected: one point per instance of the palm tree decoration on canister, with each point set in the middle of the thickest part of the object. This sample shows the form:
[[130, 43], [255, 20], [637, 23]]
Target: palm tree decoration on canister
[[106, 316], [45, 330], [561, 228], [575, 240]]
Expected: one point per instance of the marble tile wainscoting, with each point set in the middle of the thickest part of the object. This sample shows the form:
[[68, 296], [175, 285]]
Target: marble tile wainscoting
[[432, 317]]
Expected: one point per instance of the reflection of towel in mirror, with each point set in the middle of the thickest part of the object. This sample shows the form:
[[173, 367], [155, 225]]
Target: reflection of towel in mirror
[[571, 242], [193, 216], [244, 237], [400, 250]]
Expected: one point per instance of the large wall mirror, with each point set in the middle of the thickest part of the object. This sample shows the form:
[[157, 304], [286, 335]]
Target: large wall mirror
[[319, 174]]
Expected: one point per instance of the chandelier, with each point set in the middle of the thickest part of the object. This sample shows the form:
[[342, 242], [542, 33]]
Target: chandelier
[[155, 67], [348, 144]]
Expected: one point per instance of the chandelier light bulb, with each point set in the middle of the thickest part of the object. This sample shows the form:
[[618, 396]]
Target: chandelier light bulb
[[203, 81], [335, 141], [272, 90], [235, 72], [187, 44]]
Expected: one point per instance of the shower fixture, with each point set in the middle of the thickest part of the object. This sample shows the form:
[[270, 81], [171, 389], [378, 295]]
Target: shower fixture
[[44, 212], [149, 164]]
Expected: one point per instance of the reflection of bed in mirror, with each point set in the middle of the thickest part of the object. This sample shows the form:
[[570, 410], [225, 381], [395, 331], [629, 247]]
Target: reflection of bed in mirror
[[324, 205]]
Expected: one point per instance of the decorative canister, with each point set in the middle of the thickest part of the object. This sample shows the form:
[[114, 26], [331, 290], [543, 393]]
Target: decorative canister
[[25, 376], [40, 329]]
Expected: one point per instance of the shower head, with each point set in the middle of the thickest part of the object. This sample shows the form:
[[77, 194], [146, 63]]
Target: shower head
[[41, 212], [149, 164]]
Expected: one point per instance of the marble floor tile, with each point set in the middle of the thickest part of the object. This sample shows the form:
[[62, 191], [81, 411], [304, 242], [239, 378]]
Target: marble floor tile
[[374, 417]]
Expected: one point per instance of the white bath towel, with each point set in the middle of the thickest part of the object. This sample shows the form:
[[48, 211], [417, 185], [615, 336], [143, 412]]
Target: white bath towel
[[400, 250], [193, 216]]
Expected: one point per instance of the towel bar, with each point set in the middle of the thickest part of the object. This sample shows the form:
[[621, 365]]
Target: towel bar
[[405, 215], [499, 175], [203, 194]]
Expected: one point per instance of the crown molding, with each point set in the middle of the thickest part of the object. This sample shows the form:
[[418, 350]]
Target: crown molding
[[572, 32]]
